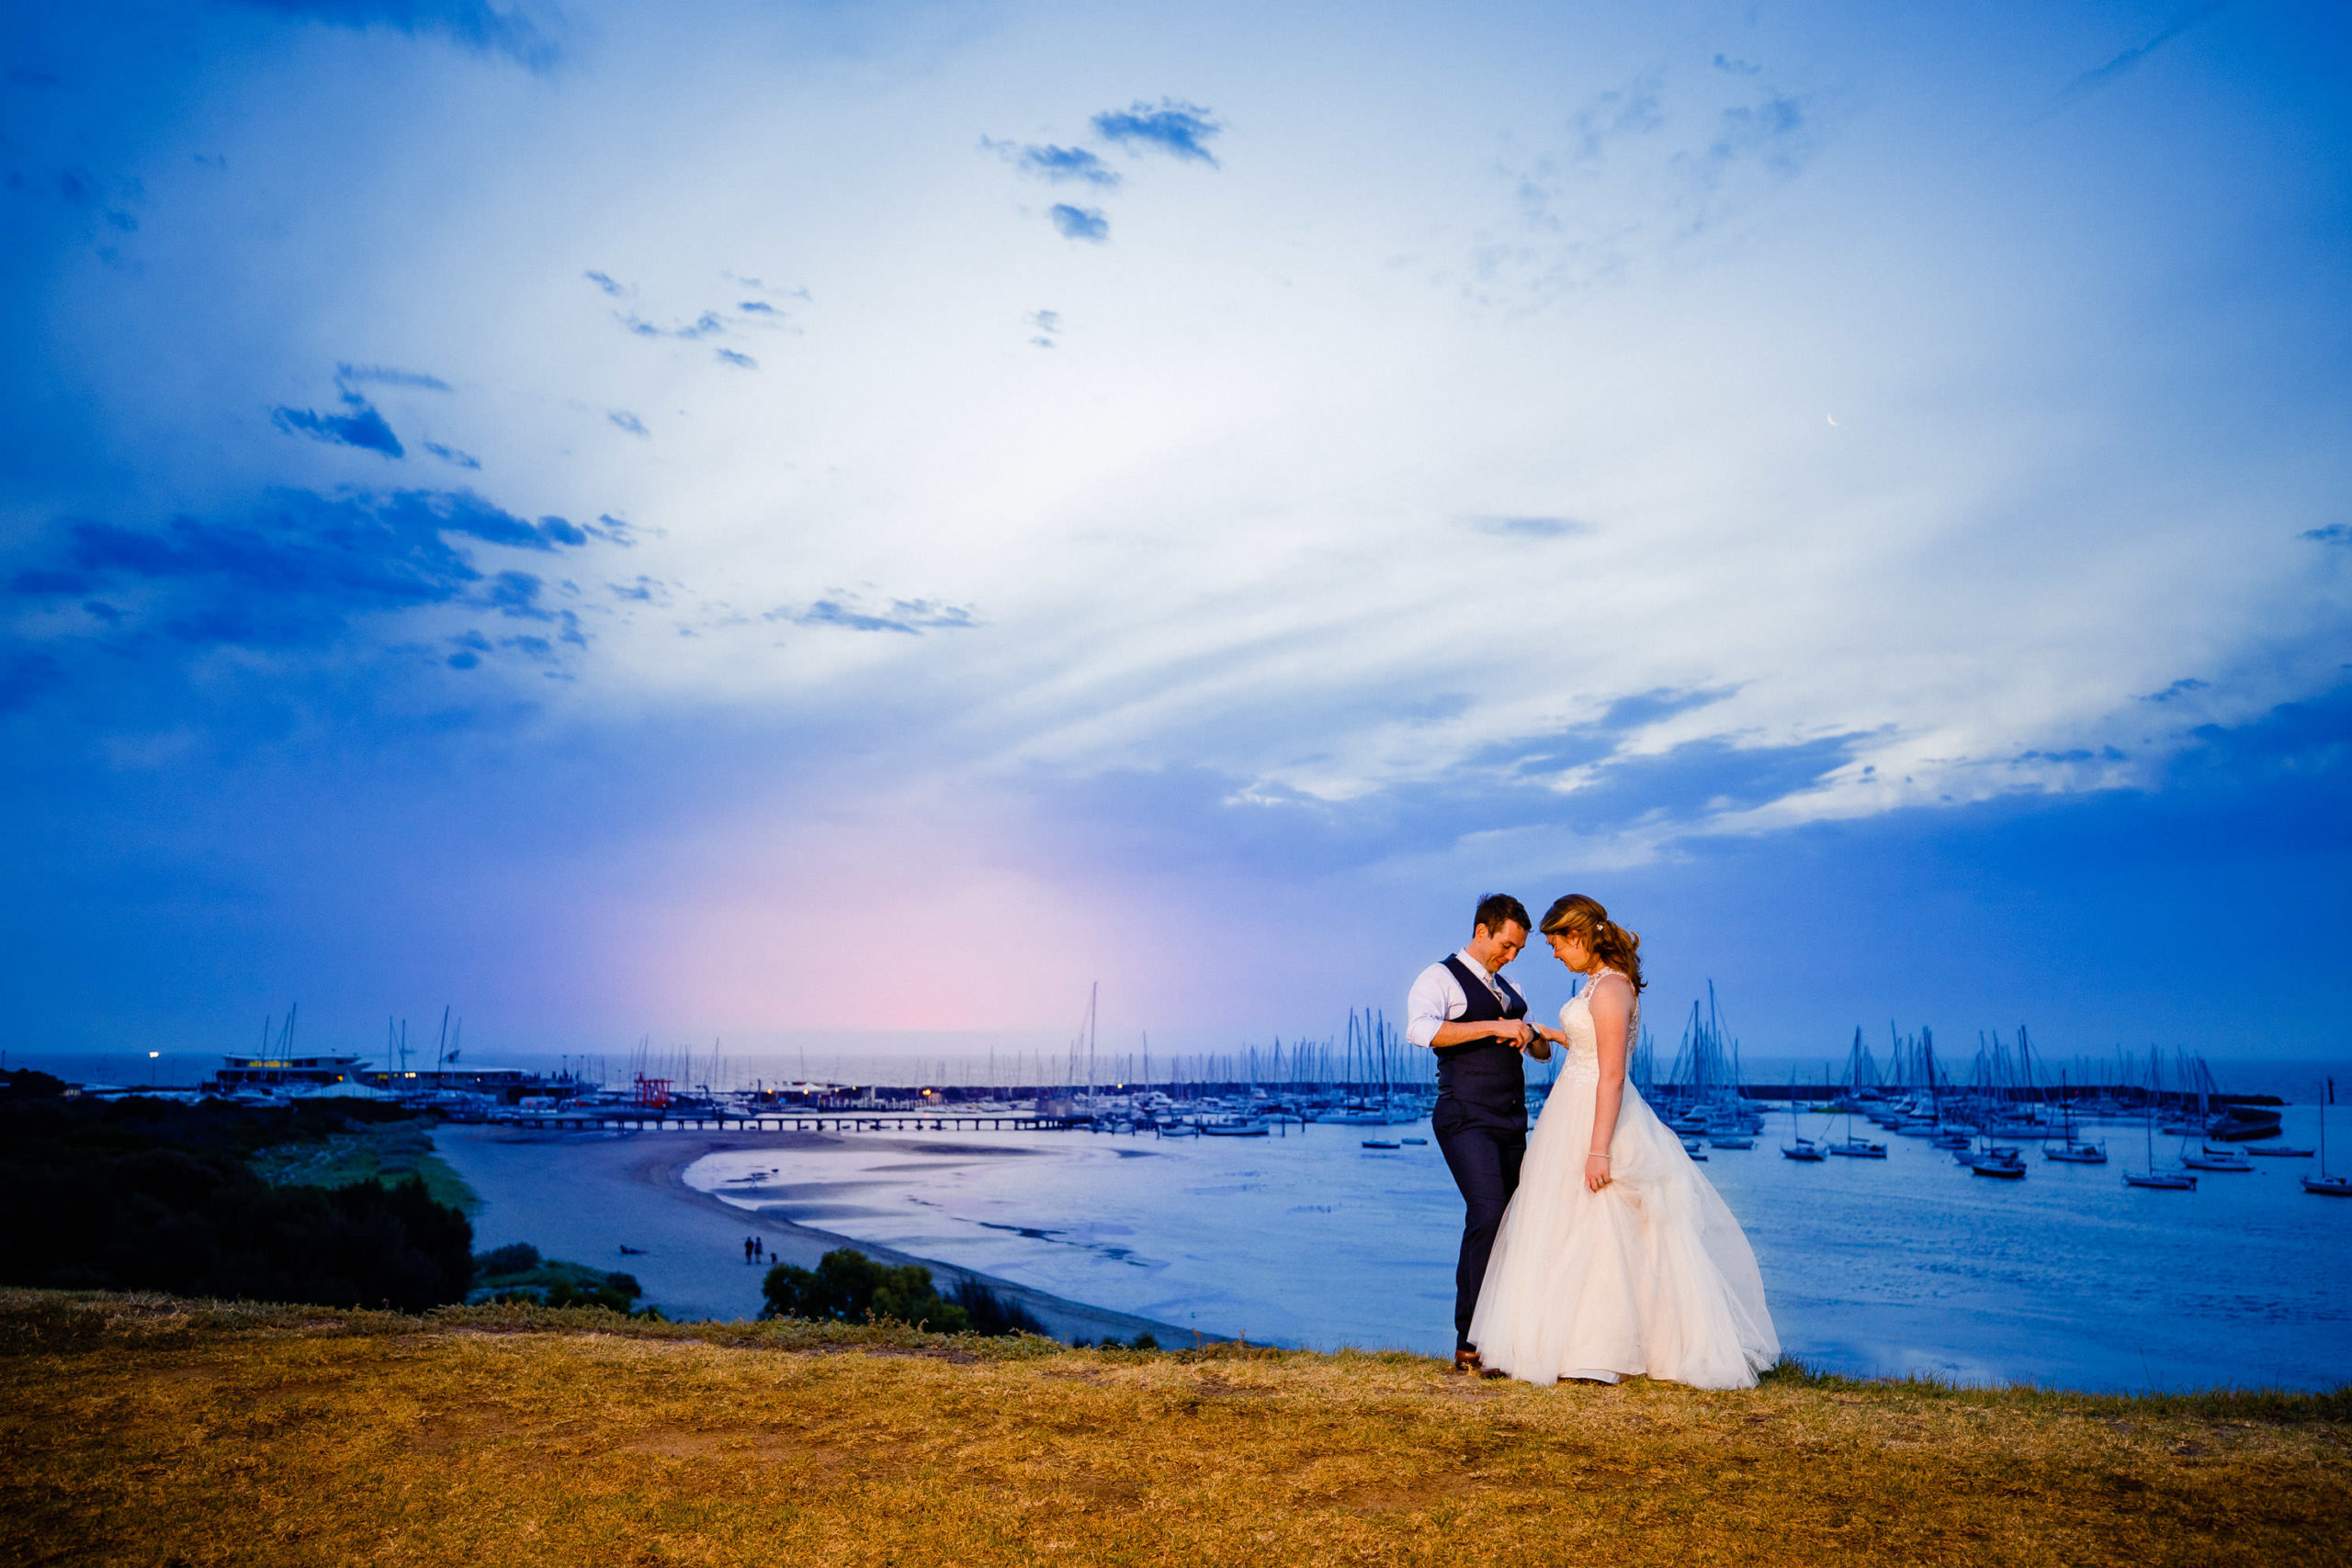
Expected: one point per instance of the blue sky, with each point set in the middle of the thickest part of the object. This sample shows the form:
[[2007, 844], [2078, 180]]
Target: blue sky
[[849, 522]]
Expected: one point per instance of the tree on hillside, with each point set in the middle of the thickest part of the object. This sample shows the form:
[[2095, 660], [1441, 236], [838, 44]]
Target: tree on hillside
[[159, 1198]]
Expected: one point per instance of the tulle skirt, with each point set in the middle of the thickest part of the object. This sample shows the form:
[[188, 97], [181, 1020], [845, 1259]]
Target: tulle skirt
[[1650, 1275]]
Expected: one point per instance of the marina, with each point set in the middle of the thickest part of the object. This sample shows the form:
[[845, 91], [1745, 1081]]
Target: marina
[[1912, 1264], [1294, 1195]]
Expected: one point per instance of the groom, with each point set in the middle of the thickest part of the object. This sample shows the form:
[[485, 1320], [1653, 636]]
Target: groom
[[1463, 1009]]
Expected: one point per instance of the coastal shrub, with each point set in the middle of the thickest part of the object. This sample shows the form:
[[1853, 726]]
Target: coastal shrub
[[993, 1314], [149, 1195], [29, 1083], [515, 1275], [846, 1286], [514, 1257], [614, 1291]]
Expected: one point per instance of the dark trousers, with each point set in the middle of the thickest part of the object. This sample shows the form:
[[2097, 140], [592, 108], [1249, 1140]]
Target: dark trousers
[[1485, 1162]]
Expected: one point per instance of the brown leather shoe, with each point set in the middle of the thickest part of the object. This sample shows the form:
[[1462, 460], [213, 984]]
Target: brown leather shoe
[[1467, 1362]]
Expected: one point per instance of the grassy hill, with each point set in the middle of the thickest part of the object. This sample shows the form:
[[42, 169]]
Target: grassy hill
[[149, 1430]]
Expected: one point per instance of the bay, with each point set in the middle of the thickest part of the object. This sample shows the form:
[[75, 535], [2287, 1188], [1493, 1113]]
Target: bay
[[1908, 1265]]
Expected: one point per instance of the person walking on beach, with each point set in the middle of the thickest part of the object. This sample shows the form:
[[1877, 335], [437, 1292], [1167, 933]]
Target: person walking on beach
[[1462, 1009]]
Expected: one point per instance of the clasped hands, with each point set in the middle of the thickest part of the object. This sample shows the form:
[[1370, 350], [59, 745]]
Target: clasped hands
[[1530, 1039]]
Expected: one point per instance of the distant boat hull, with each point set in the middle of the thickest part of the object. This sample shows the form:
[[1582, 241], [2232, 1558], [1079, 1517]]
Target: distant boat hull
[[2328, 1186], [2161, 1181]]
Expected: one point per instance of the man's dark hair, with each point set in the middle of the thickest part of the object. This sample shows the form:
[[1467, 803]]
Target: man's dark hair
[[1497, 910]]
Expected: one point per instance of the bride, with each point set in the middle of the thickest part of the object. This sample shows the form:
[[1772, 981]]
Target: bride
[[1616, 1257]]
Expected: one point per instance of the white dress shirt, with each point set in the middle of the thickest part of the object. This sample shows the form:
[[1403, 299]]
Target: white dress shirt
[[1436, 998]]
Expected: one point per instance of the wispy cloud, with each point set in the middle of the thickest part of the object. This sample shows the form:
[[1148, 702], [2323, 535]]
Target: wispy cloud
[[360, 425], [25, 676], [1646, 166], [1080, 222], [2333, 534], [1058, 164], [702, 326], [300, 569], [605, 283], [741, 361], [1634, 109], [1174, 127], [2123, 63], [474, 24], [1048, 324], [1531, 528], [848, 610], [1771, 129], [348, 376], [626, 421], [451, 456]]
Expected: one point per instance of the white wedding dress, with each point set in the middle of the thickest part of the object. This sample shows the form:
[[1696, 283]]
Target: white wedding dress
[[1650, 1275]]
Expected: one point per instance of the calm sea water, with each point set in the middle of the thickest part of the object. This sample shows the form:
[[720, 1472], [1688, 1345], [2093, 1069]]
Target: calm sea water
[[1913, 1264]]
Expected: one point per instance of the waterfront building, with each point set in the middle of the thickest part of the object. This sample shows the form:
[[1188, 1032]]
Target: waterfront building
[[279, 1072]]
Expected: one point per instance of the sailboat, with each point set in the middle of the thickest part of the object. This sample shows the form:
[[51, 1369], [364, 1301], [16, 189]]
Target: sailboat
[[2000, 1160], [1804, 1148], [2073, 1151], [2324, 1185], [2162, 1180], [2207, 1156], [1851, 1146], [1857, 1149]]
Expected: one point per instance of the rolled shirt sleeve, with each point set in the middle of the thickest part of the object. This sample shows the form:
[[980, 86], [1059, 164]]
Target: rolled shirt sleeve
[[1435, 999]]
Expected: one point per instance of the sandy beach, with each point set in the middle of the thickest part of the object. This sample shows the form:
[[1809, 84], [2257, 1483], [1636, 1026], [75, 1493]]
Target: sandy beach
[[586, 1196]]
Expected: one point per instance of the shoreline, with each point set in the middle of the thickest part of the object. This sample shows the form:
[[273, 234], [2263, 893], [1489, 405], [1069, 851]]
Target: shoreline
[[628, 1190]]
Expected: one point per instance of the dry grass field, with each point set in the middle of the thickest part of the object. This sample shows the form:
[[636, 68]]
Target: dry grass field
[[146, 1431]]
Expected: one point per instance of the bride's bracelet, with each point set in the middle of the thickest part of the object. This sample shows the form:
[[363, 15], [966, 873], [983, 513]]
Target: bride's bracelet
[[1594, 1154]]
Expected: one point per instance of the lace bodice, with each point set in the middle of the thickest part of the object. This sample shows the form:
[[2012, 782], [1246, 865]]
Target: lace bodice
[[1582, 1060]]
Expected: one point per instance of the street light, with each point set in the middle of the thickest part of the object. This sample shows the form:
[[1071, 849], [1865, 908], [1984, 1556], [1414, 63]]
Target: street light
[[150, 1067]]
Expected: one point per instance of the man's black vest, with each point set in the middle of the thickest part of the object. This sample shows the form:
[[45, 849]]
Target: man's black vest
[[1484, 1076]]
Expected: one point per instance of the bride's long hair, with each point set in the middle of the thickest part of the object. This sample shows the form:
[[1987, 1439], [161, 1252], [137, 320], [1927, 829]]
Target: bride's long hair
[[1577, 915]]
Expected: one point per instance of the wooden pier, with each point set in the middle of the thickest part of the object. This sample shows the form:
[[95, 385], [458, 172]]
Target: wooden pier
[[654, 1120]]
